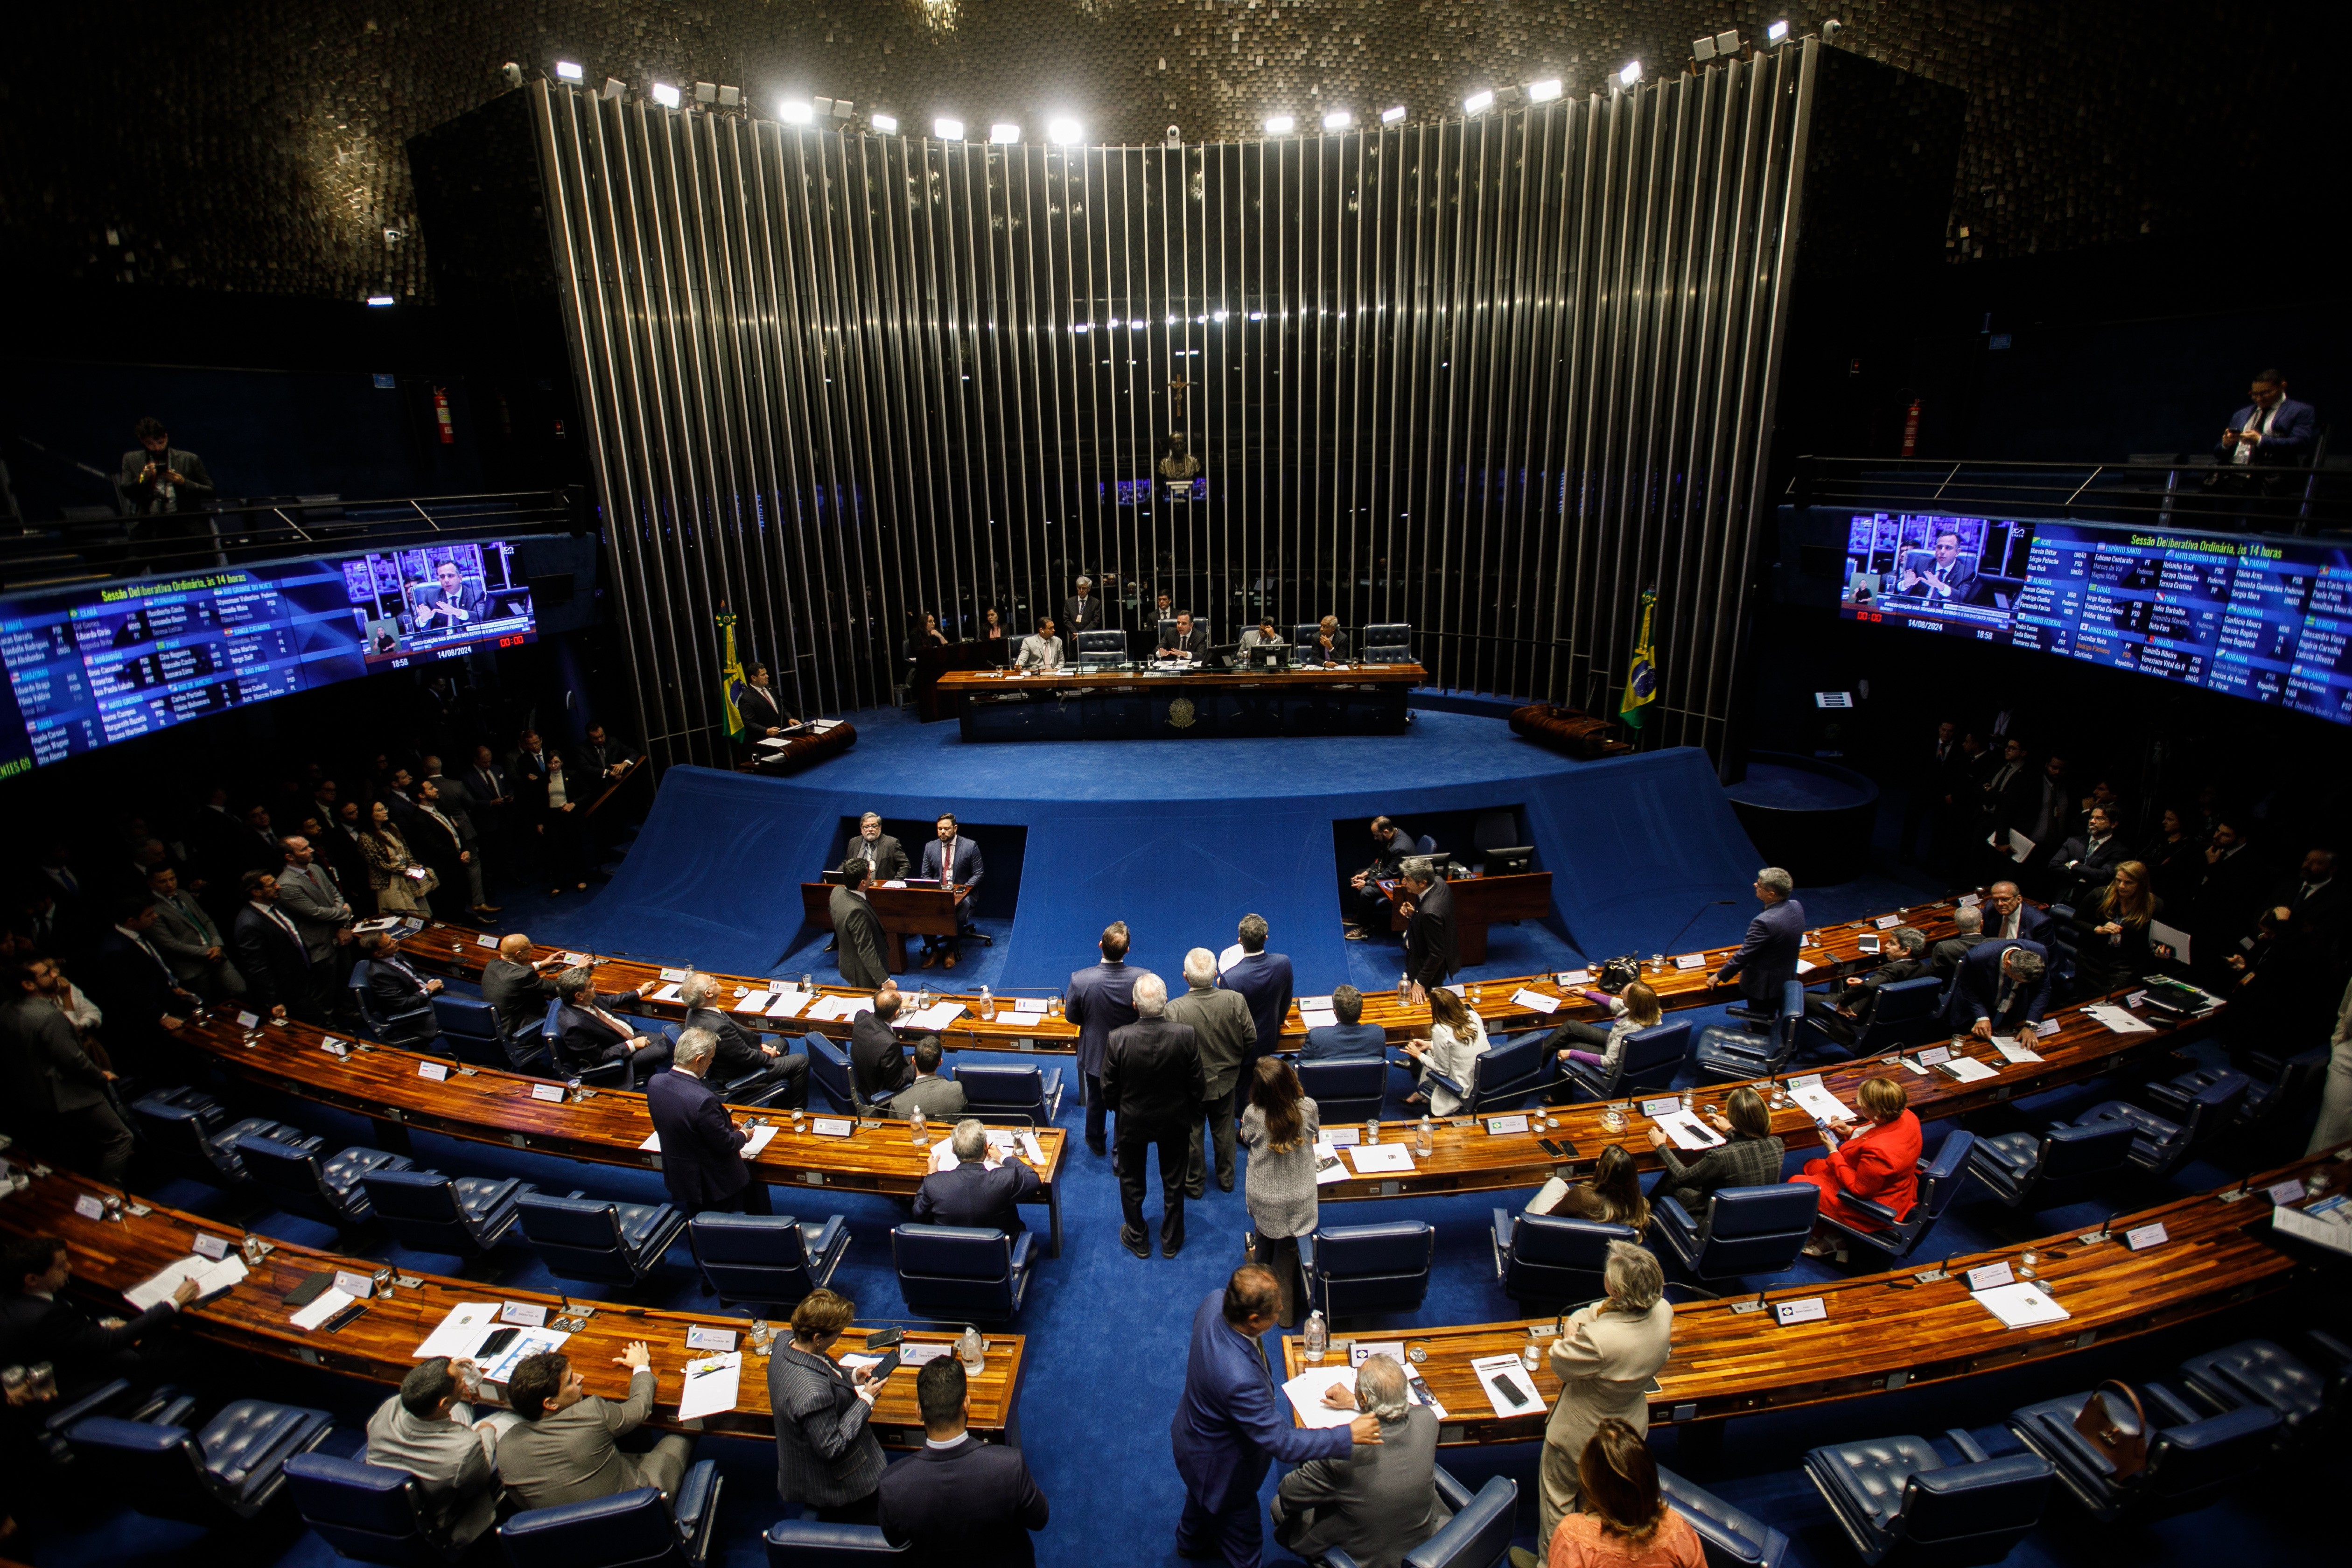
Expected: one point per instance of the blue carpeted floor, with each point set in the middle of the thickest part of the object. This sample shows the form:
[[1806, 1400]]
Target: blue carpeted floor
[[1106, 1338]]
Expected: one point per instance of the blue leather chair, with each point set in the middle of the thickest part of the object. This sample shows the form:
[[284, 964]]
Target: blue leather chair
[[2259, 1373], [367, 1512], [560, 1061], [627, 1530], [774, 1259], [2189, 1461], [1551, 1258], [1651, 1058], [1388, 643], [597, 1239], [329, 1191], [2159, 1146], [464, 1217], [1352, 1269], [1349, 1089], [1898, 1501], [411, 1029], [997, 1090], [1750, 1230], [470, 1031], [2275, 1083], [963, 1271], [165, 1405], [189, 1129], [829, 1070], [1477, 1536], [1940, 1181], [229, 1469], [1906, 1013], [1732, 1053], [1731, 1537], [810, 1543], [2059, 1166], [1503, 1075]]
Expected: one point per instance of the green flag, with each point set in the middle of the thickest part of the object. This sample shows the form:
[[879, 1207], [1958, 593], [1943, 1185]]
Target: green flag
[[1642, 680], [731, 676]]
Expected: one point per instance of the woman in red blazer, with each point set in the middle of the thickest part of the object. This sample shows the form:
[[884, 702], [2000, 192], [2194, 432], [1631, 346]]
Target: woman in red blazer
[[1880, 1162]]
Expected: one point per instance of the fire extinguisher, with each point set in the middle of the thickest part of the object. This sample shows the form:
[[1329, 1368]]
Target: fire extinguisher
[[449, 431], [1910, 430]]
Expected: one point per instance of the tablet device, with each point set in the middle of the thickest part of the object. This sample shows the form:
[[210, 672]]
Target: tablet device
[[309, 1288]]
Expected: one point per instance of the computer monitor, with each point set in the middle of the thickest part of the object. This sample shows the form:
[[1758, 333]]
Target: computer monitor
[[1517, 860], [1268, 656]]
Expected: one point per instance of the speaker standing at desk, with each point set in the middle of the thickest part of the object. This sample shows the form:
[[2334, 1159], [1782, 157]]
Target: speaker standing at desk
[[701, 1147], [952, 861], [858, 930], [886, 856]]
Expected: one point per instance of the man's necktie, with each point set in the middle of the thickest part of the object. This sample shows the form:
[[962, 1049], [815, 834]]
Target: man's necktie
[[947, 864]]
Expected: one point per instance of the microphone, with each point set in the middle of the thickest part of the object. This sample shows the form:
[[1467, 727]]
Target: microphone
[[1711, 904]]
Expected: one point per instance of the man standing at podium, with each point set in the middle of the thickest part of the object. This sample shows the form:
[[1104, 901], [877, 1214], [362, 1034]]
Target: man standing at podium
[[955, 862]]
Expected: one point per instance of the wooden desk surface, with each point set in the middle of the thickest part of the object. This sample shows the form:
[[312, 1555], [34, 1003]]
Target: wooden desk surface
[[1467, 1158], [378, 1346], [971, 682], [1882, 1327]]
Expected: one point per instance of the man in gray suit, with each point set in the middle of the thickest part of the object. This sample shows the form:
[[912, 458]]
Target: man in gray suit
[[939, 1099], [1221, 1025], [309, 896], [52, 1094], [427, 1430], [858, 930], [1379, 1502], [190, 940], [564, 1451]]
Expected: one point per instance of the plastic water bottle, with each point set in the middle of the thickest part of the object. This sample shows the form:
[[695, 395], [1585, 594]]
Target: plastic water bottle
[[915, 1122], [1318, 1339], [1404, 987], [970, 1350], [987, 1004], [1424, 1139]]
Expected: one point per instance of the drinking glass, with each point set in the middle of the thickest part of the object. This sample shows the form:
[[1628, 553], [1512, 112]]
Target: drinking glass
[[799, 1116], [12, 1379], [43, 1379], [2029, 1265], [1531, 1356], [1371, 1131]]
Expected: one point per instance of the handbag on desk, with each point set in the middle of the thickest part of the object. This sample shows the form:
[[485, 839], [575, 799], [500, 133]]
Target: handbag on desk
[[2121, 1440]]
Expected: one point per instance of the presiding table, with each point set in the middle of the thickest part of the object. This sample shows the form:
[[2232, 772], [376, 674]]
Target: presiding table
[[112, 1255], [1141, 701]]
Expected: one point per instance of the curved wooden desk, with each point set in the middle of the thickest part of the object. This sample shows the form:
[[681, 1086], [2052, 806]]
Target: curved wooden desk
[[1885, 1332], [484, 1105], [802, 750], [378, 1346]]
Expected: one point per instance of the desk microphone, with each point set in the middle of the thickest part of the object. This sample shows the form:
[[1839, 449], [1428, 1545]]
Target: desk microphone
[[1711, 904]]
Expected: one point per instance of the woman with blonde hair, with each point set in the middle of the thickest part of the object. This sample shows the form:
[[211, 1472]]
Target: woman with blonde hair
[[1637, 1009], [1605, 1356], [1456, 1038], [2111, 932]]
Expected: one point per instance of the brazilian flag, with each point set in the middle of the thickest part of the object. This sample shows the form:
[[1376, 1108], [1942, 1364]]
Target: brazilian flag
[[1642, 680], [731, 676]]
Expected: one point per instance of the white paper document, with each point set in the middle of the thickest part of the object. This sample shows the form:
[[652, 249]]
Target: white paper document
[[1382, 1159], [2013, 1050], [2171, 937], [2021, 1305], [209, 1277], [713, 1382], [1307, 1391], [2326, 1230], [328, 1303], [523, 1344], [1687, 1130], [1533, 1002], [461, 1332], [2117, 1020], [754, 1001], [1967, 1070], [665, 994], [1816, 1101], [1318, 1018], [786, 1005], [761, 1138], [1328, 1166], [1499, 1378], [1806, 966], [652, 1145], [936, 1016]]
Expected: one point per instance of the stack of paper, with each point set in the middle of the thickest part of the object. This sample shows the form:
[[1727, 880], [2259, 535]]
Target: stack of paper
[[2021, 1305], [1687, 1130], [1382, 1159], [713, 1383], [788, 1004], [931, 1019], [328, 1303], [1328, 1166], [1318, 1018], [2117, 1020], [210, 1276], [665, 993], [1507, 1386], [1819, 1103], [833, 1008], [754, 1001], [2014, 1051], [1307, 1391], [523, 1344], [2328, 1229], [1534, 1001], [460, 1333], [1967, 1070]]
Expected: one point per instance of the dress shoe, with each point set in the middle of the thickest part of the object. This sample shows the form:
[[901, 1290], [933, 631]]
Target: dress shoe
[[488, 908], [1096, 1149], [1171, 1249], [1195, 1194], [928, 959], [1356, 933], [951, 961], [1134, 1242], [832, 944], [1225, 1183]]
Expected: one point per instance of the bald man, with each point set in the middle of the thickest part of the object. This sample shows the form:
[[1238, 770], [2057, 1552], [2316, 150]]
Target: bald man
[[520, 991]]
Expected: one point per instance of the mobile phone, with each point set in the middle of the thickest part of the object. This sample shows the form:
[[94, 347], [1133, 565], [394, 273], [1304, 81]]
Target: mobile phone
[[885, 1367], [1502, 1385], [1869, 944], [499, 1341], [335, 1324], [1420, 1390], [882, 1339]]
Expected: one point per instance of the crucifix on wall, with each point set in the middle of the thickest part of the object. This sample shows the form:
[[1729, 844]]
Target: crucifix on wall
[[1176, 400]]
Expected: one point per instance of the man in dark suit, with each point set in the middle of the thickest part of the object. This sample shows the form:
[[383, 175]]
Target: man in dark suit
[[1263, 981], [1432, 953], [436, 839], [754, 1068], [37, 1326], [1945, 580], [1350, 1037], [600, 759], [2005, 801], [877, 848], [755, 700], [142, 998], [1329, 645], [447, 603], [954, 861], [592, 1031], [489, 800], [57, 1094], [2272, 429], [1380, 1503], [2008, 915], [278, 975], [1366, 907], [401, 998], [526, 771], [1943, 958], [1182, 639], [1082, 612], [1927, 775], [518, 990], [2313, 896], [857, 929], [701, 1149], [2230, 896], [1151, 1075], [878, 1063], [979, 1190], [958, 1502], [1767, 959], [1845, 1013], [1100, 1000], [2086, 863], [2003, 987]]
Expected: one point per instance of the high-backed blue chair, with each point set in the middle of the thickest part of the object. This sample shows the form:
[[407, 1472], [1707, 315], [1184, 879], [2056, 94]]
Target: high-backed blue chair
[[829, 1070], [1906, 1013], [2189, 1461], [189, 1129], [1940, 1181], [1503, 1075], [1552, 1258], [963, 1271], [1731, 1053], [328, 1190], [366, 1512], [1750, 1230], [2159, 1146], [1731, 1537], [627, 1530], [812, 1543], [2062, 1164], [1388, 643], [1477, 1536], [1651, 1058], [230, 1468], [411, 1029], [1011, 1089], [465, 1215], [1351, 1088], [560, 1061], [2277, 1082], [2308, 1397], [1352, 1269], [597, 1239], [471, 1031], [774, 1259], [1898, 1501]]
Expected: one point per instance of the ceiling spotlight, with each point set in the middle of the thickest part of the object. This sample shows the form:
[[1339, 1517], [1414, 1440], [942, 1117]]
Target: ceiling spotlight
[[1004, 133], [1175, 136], [823, 107], [888, 124], [1064, 131], [1726, 43], [1478, 103], [705, 93], [512, 73], [615, 91], [1702, 48], [1280, 125], [948, 130], [666, 95], [729, 97], [1391, 116], [379, 300], [1630, 74], [841, 107], [796, 111], [1338, 120], [1831, 30], [571, 70], [1776, 35], [1543, 91]]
